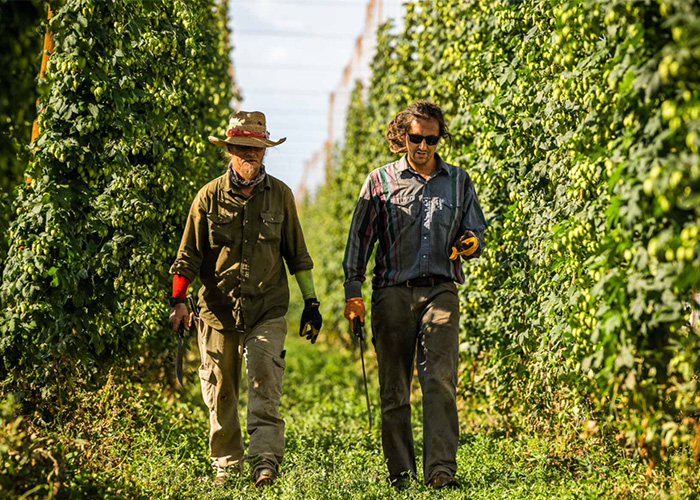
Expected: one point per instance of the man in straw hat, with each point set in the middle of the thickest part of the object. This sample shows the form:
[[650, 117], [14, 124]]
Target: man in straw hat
[[241, 229], [425, 217]]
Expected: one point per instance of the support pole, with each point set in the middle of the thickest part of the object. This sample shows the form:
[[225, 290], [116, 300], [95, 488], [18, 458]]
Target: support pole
[[48, 49]]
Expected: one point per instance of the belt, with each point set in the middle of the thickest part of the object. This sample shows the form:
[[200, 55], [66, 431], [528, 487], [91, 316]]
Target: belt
[[425, 281]]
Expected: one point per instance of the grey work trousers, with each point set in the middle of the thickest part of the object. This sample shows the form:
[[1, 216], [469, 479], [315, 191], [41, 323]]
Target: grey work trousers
[[426, 320], [220, 376]]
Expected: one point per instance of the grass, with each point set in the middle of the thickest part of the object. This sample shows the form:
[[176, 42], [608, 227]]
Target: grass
[[138, 440]]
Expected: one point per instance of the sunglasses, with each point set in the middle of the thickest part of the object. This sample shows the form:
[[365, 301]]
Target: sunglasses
[[430, 140]]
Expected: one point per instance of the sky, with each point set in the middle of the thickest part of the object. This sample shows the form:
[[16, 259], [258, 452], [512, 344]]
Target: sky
[[288, 56]]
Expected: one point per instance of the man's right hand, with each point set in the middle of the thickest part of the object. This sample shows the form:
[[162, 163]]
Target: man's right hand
[[355, 308], [178, 314]]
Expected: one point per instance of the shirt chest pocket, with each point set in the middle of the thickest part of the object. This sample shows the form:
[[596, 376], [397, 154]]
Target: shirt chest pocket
[[445, 213], [222, 228], [271, 227], [407, 210]]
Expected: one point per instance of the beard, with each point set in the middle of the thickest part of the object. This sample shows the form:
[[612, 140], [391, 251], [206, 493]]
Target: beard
[[422, 160], [247, 171]]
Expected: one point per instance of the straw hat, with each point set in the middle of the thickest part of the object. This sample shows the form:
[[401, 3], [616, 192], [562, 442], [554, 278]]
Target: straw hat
[[247, 128]]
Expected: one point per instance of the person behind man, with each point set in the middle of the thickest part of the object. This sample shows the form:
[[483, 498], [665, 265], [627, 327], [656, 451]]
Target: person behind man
[[424, 214], [241, 228]]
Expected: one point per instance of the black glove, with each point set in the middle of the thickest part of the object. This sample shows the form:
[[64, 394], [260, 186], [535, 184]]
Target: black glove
[[311, 320]]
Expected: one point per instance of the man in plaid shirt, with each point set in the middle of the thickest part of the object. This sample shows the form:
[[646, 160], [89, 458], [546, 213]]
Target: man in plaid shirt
[[424, 215]]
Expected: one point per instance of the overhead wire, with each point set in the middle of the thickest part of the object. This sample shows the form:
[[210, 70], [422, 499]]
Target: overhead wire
[[282, 90], [326, 3], [294, 34], [306, 143], [288, 67]]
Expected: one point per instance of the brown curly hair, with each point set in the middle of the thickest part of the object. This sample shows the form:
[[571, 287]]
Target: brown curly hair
[[399, 125]]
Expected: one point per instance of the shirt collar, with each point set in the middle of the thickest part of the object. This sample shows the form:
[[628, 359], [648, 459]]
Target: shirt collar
[[441, 165], [402, 164]]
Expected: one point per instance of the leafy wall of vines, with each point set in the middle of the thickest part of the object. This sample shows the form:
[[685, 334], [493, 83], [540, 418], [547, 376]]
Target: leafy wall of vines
[[21, 40], [132, 90], [578, 121]]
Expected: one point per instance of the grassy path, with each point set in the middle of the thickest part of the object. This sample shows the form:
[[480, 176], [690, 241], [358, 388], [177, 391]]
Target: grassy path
[[153, 446], [136, 439]]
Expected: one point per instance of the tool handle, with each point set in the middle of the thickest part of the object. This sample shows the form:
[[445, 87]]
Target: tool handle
[[181, 330], [357, 328]]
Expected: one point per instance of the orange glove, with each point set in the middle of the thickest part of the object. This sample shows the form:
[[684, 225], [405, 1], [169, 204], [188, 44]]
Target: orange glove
[[355, 308], [465, 247]]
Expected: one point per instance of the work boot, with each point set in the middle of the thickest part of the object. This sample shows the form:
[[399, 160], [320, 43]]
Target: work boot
[[223, 473], [444, 480], [264, 477]]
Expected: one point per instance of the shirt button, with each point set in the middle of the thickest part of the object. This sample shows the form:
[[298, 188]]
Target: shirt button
[[425, 256], [425, 237]]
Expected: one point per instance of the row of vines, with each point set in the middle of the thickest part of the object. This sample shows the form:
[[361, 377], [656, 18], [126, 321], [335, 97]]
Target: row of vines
[[130, 93], [21, 40], [578, 122]]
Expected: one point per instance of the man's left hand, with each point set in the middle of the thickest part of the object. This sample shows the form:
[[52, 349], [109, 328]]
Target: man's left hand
[[465, 247], [311, 320]]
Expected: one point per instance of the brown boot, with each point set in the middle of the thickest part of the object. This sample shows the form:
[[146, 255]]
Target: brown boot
[[444, 480], [264, 477], [223, 473]]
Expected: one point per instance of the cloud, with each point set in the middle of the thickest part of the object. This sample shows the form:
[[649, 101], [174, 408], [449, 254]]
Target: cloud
[[279, 17], [277, 53], [264, 6]]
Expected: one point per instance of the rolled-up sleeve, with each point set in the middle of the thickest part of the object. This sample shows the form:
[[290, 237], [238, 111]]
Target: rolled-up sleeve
[[294, 249], [192, 246]]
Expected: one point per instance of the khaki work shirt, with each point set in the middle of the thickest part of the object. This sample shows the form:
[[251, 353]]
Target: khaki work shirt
[[237, 245]]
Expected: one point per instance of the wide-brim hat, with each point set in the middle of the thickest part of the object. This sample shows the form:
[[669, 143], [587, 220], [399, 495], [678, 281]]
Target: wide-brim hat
[[246, 128]]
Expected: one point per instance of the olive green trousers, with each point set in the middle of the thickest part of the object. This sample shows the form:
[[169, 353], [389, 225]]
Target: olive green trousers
[[222, 355]]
